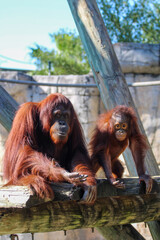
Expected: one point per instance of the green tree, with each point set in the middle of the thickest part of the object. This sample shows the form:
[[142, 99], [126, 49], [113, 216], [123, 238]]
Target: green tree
[[131, 20], [69, 58]]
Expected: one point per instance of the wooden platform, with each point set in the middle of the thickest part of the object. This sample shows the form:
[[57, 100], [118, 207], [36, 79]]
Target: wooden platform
[[21, 211]]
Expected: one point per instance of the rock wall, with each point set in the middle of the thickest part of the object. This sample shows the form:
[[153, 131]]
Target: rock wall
[[139, 62]]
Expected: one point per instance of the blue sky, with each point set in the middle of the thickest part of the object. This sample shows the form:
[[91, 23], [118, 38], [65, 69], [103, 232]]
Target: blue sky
[[26, 22]]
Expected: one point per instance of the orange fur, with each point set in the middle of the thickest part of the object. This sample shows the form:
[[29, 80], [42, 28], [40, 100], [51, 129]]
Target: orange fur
[[104, 147], [29, 150]]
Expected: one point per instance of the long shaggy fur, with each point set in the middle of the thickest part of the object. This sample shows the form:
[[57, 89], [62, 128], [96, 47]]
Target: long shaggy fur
[[31, 157]]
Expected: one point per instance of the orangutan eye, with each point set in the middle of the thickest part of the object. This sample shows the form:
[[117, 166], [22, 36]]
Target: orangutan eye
[[117, 126], [57, 114], [124, 125]]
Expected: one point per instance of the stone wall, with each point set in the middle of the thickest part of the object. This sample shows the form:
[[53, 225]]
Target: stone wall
[[139, 63]]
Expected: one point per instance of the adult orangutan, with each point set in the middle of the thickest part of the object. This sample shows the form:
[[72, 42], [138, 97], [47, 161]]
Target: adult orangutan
[[116, 130], [46, 145]]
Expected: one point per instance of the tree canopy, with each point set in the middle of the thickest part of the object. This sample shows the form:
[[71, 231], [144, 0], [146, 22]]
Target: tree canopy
[[131, 21], [68, 58]]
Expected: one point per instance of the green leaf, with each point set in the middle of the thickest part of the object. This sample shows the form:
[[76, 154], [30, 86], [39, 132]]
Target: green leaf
[[131, 21]]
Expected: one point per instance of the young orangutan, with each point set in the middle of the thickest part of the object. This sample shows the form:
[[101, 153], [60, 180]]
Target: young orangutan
[[116, 130]]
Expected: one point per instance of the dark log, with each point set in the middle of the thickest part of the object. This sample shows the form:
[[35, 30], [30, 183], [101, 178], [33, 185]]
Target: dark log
[[57, 216]]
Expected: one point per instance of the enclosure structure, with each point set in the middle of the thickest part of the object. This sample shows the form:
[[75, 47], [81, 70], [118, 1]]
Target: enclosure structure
[[110, 210]]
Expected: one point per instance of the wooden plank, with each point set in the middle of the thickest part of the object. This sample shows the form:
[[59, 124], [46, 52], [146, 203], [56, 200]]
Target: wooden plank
[[8, 106], [22, 196], [25, 213]]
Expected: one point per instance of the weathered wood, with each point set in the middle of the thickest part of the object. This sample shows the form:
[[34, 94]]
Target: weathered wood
[[8, 106], [127, 232], [154, 227], [56, 216], [26, 213], [22, 196]]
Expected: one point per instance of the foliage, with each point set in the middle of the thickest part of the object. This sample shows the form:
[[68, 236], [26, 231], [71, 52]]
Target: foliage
[[131, 21], [69, 58], [126, 21]]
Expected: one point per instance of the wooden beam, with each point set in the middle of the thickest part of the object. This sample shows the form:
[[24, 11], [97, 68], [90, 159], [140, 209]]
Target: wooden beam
[[57, 216], [8, 106], [22, 197], [21, 211]]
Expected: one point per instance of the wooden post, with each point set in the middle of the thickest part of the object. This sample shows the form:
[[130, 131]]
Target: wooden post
[[106, 69], [8, 106]]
